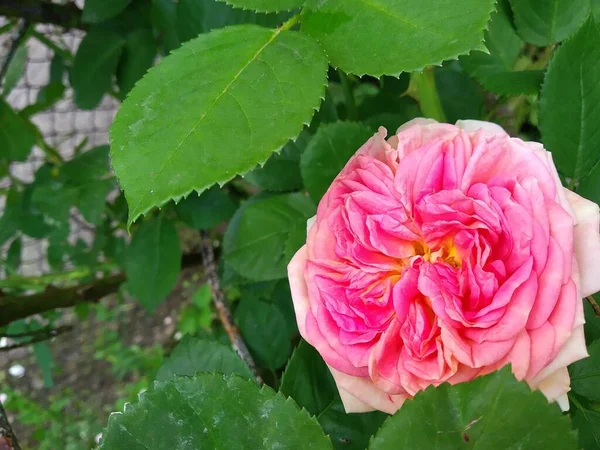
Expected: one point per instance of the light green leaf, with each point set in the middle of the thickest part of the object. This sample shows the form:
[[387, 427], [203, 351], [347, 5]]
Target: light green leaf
[[212, 412], [15, 69], [137, 58], [378, 37], [596, 10], [254, 243], [153, 261], [206, 210], [308, 381], [545, 22], [282, 171], [264, 329], [491, 412], [585, 374], [99, 10], [94, 66], [193, 355], [266, 5], [328, 152], [495, 69], [460, 96], [569, 115], [170, 137], [16, 135]]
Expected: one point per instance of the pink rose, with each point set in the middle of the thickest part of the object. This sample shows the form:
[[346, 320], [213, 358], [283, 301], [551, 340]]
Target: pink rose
[[443, 254]]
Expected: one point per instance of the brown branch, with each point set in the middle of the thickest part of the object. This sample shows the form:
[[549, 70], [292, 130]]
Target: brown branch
[[8, 440], [17, 37], [38, 11], [21, 306], [592, 301], [223, 311], [38, 336]]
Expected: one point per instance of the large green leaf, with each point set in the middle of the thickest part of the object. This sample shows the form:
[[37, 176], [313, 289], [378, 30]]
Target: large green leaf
[[16, 134], [100, 10], [569, 113], [377, 37], [255, 240], [282, 171], [460, 96], [171, 137], [545, 22], [492, 412], [137, 58], [94, 66], [194, 355], [153, 261], [15, 69], [265, 330], [206, 210], [585, 374], [495, 69], [328, 152], [212, 412], [266, 5], [587, 423]]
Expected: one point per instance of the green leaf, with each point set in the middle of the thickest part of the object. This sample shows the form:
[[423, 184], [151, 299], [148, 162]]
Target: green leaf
[[328, 152], [47, 96], [308, 381], [265, 331], [16, 135], [153, 261], [587, 423], [392, 36], [206, 210], [94, 66], [496, 70], [170, 138], [596, 10], [592, 323], [13, 256], [254, 243], [282, 171], [193, 355], [99, 10], [89, 166], [212, 411], [92, 199], [569, 116], [490, 412], [163, 14], [349, 431], [460, 96], [545, 22], [585, 374], [137, 58], [9, 222], [266, 5], [15, 69], [43, 356]]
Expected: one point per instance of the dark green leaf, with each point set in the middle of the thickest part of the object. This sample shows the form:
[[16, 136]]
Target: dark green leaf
[[569, 113], [47, 96], [15, 69], [460, 96], [592, 323], [266, 5], [9, 222], [169, 136], [587, 423], [308, 381], [137, 58], [393, 36], [585, 374], [16, 135], [490, 412], [194, 355], [328, 152], [596, 10], [91, 165], [164, 15], [206, 210], [395, 85], [13, 256], [256, 238], [153, 261], [545, 22], [43, 356], [92, 198], [265, 331], [282, 171], [94, 66], [496, 70], [212, 412], [99, 10]]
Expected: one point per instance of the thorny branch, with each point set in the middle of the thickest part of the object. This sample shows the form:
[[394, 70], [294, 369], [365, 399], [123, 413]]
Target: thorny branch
[[36, 336], [225, 316]]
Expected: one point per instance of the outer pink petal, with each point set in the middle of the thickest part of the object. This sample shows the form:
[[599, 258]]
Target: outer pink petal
[[587, 242]]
